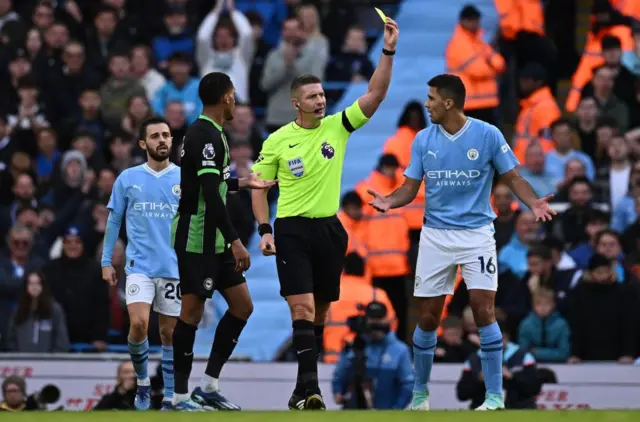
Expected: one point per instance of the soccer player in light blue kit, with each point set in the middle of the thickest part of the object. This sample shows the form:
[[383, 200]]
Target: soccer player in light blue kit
[[147, 196], [457, 157]]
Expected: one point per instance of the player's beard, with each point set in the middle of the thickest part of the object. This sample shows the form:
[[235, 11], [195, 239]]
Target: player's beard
[[159, 155], [228, 115]]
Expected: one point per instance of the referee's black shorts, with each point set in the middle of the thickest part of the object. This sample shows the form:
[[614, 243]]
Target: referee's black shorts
[[310, 256], [202, 274]]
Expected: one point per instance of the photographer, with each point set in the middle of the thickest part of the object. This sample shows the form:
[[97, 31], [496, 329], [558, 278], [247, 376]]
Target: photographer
[[373, 372]]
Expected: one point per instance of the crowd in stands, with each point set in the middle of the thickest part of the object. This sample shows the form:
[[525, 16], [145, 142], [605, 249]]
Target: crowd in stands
[[77, 79]]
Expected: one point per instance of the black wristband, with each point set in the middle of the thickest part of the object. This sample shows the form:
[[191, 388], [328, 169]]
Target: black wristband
[[233, 184], [388, 52], [265, 229]]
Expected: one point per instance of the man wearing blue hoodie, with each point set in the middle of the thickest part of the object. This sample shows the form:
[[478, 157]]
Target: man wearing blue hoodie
[[389, 373], [180, 88]]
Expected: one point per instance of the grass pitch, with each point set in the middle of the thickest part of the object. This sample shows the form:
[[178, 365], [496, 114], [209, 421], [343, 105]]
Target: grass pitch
[[288, 416]]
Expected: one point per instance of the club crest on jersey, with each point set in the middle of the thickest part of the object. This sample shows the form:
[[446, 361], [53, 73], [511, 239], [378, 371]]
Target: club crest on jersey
[[175, 189], [473, 154], [208, 152], [327, 151], [296, 166]]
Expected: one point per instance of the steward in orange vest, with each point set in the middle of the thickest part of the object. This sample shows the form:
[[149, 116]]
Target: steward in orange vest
[[605, 22], [538, 109], [352, 218], [387, 240], [477, 64]]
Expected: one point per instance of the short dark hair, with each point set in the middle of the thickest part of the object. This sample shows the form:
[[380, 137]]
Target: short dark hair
[[28, 81], [181, 57], [303, 80], [213, 88], [150, 121], [610, 42], [552, 243], [351, 198], [562, 121], [83, 134], [470, 12], [607, 121], [107, 9], [254, 18], [608, 232], [540, 251], [577, 180], [450, 87]]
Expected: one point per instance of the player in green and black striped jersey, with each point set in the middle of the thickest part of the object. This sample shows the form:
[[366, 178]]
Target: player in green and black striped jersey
[[210, 254]]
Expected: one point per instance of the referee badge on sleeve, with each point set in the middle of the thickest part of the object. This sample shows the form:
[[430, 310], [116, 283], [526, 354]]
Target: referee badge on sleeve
[[296, 166]]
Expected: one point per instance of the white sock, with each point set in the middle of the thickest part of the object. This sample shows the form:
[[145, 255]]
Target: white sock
[[209, 384], [145, 381], [177, 398]]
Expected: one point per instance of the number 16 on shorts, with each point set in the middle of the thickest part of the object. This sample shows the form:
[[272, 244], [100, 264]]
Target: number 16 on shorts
[[482, 272]]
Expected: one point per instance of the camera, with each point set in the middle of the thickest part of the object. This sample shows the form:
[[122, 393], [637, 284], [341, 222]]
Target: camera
[[360, 325], [48, 395]]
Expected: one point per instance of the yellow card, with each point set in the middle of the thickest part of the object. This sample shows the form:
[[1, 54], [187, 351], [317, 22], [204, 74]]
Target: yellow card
[[381, 14]]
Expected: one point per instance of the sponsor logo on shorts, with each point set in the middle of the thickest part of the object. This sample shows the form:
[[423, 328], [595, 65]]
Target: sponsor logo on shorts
[[175, 189], [296, 166], [207, 284], [473, 154], [327, 151], [133, 290]]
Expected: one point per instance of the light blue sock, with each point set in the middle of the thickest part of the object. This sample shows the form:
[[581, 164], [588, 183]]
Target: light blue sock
[[167, 371], [491, 357], [139, 356], [424, 347]]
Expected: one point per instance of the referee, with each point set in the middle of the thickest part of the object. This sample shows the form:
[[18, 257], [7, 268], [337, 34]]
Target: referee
[[310, 243]]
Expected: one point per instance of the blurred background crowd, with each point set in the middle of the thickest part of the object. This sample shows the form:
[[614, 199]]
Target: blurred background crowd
[[561, 79]]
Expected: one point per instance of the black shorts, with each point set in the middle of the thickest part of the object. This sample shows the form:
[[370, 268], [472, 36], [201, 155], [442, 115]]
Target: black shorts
[[201, 275], [310, 256]]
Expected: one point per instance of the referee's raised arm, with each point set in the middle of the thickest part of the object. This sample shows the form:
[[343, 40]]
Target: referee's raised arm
[[381, 78]]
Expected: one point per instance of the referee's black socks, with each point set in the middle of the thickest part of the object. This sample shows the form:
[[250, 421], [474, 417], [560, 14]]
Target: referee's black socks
[[225, 340], [304, 341], [318, 331], [184, 336]]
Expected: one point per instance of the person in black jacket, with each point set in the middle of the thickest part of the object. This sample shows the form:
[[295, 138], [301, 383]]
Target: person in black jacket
[[76, 284], [602, 315], [519, 372], [122, 396]]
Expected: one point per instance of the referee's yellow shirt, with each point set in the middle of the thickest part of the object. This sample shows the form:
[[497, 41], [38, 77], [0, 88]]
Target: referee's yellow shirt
[[308, 163]]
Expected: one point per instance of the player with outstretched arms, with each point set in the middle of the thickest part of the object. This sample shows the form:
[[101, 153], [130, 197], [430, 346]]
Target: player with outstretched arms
[[210, 254], [457, 157], [147, 197], [307, 155]]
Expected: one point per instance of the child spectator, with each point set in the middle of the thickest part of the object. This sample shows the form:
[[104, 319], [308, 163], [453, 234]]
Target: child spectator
[[452, 347], [544, 332]]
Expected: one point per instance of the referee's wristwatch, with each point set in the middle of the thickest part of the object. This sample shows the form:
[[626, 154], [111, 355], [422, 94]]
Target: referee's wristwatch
[[265, 229]]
